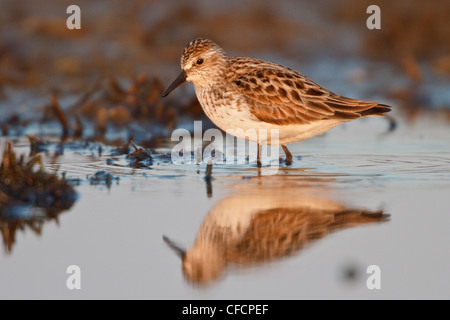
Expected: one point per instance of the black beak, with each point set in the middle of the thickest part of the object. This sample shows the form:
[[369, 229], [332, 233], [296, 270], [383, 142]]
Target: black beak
[[179, 80], [175, 247]]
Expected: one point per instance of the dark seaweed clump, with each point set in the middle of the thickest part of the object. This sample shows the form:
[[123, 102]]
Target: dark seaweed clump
[[29, 196]]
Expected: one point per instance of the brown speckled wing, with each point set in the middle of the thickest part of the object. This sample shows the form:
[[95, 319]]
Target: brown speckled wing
[[279, 232], [280, 95]]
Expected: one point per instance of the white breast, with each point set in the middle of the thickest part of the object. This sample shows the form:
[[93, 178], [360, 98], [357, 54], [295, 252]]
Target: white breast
[[232, 114]]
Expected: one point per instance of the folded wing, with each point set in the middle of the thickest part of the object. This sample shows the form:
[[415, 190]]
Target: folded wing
[[280, 95]]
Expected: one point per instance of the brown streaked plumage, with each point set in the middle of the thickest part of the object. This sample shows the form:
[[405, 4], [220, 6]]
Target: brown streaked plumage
[[249, 93], [260, 227]]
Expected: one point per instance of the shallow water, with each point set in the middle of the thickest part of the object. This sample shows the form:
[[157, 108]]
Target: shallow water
[[114, 232], [357, 196]]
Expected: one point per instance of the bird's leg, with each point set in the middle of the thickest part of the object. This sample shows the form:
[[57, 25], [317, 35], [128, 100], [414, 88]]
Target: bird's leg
[[288, 155], [258, 157]]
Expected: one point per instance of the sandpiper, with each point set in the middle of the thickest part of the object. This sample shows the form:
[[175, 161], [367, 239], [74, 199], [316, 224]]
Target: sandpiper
[[248, 93], [264, 225]]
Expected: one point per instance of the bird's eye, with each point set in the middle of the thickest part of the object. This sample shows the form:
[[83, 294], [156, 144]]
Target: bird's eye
[[199, 61]]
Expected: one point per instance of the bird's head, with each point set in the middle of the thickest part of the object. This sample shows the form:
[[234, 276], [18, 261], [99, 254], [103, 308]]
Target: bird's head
[[203, 62], [203, 263]]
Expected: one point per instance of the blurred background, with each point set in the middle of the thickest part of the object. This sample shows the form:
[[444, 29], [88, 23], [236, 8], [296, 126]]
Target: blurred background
[[113, 69], [90, 134]]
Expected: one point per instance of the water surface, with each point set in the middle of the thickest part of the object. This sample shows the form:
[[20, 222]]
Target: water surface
[[114, 231]]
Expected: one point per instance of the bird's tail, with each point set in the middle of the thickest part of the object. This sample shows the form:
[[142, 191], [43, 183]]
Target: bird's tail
[[349, 109], [377, 110]]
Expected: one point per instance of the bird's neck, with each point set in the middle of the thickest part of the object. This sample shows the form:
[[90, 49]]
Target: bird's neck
[[215, 77]]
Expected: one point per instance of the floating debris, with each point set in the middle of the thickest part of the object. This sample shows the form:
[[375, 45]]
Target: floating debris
[[60, 115], [102, 178], [19, 181], [125, 149], [10, 122], [139, 157], [29, 196], [78, 129], [37, 145]]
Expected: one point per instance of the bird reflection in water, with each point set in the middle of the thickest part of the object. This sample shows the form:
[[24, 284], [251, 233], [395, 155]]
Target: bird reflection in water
[[262, 226]]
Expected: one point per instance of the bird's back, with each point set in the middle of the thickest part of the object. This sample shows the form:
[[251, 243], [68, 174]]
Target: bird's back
[[279, 95]]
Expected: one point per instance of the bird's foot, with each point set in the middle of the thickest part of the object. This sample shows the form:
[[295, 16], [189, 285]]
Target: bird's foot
[[289, 161], [258, 163]]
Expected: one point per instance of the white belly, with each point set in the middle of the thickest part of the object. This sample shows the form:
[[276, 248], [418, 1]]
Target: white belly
[[234, 117]]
